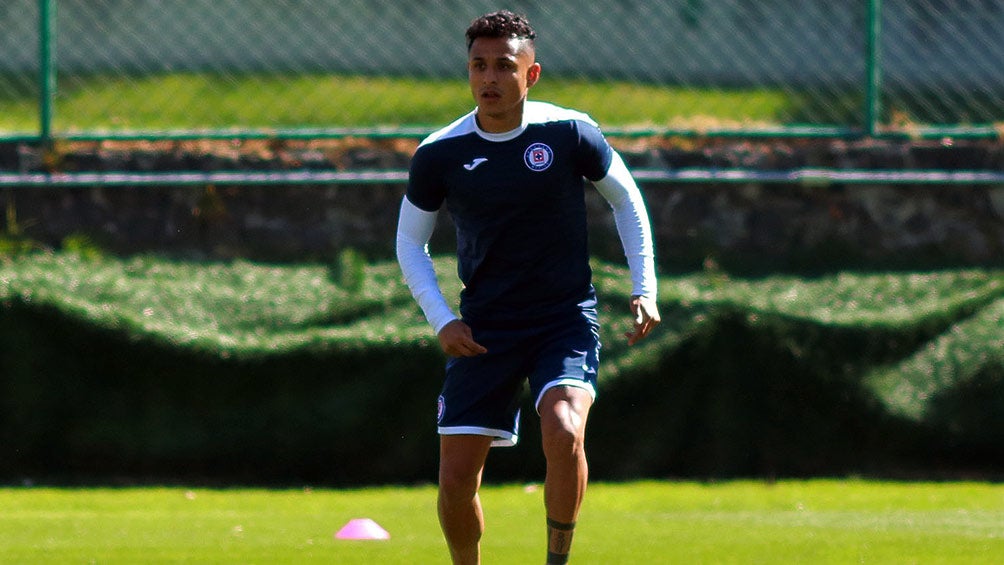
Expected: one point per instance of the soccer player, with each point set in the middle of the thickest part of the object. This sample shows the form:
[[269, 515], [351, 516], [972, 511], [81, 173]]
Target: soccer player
[[511, 173]]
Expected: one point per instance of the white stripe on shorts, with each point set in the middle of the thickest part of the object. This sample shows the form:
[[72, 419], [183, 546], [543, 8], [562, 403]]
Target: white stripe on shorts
[[502, 437], [576, 383]]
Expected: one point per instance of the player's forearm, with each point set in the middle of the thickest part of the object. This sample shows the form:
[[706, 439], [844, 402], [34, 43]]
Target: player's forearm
[[415, 227], [633, 227]]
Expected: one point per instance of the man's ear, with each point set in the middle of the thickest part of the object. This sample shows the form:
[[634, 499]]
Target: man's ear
[[532, 74]]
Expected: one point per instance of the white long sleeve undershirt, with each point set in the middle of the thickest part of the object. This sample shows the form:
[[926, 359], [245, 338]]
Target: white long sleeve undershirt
[[633, 227], [414, 228]]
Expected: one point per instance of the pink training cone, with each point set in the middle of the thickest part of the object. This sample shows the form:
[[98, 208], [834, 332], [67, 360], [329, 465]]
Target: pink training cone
[[362, 528]]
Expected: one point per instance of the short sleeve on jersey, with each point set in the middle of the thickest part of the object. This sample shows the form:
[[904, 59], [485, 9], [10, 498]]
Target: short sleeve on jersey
[[425, 188], [595, 153]]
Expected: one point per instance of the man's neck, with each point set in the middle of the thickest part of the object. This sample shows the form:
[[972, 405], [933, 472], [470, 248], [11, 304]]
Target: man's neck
[[508, 123]]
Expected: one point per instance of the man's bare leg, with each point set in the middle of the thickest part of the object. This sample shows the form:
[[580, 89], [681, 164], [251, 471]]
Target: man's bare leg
[[461, 462], [563, 413]]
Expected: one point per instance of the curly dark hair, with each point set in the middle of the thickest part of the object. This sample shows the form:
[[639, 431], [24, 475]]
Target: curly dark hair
[[500, 24]]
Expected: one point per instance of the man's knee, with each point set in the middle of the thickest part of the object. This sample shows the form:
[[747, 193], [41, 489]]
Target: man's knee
[[461, 460], [563, 414], [561, 438], [457, 481]]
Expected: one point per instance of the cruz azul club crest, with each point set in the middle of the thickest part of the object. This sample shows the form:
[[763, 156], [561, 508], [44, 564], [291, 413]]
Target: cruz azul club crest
[[538, 157]]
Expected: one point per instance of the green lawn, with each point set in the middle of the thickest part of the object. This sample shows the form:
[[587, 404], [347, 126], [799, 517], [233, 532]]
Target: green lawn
[[817, 522], [200, 101]]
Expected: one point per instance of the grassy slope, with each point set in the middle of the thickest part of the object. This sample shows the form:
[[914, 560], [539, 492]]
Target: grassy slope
[[242, 309], [853, 373]]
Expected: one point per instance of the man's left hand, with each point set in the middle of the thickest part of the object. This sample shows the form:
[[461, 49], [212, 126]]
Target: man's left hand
[[646, 317]]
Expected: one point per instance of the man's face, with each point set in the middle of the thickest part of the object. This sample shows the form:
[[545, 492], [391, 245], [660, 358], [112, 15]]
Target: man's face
[[501, 71]]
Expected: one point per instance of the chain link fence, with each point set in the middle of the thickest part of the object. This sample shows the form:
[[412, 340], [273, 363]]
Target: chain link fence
[[106, 69]]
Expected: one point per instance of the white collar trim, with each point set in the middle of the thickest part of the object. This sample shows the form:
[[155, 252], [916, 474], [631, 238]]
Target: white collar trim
[[503, 136]]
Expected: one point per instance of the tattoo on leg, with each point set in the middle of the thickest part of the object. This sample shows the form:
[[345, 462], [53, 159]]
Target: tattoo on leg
[[559, 541]]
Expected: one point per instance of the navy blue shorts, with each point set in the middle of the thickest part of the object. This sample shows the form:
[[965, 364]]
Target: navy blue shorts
[[481, 395]]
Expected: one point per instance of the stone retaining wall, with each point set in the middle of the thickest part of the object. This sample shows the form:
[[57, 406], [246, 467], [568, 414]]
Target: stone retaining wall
[[746, 225]]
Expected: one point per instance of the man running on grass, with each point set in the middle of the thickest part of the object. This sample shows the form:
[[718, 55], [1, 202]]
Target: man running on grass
[[511, 173]]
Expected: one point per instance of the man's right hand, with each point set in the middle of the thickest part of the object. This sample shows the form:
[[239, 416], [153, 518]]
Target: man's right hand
[[457, 341]]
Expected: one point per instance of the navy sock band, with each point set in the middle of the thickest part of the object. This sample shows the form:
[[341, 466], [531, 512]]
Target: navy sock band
[[560, 525]]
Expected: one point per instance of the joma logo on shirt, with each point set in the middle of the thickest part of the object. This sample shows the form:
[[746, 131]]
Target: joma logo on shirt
[[477, 161]]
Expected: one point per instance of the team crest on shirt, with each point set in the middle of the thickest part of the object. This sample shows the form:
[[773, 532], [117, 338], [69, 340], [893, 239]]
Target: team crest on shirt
[[538, 157], [440, 408]]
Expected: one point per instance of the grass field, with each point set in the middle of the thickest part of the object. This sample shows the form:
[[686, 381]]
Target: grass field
[[817, 522], [200, 101]]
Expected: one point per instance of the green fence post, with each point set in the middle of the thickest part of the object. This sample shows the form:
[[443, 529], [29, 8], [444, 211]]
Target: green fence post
[[46, 68], [873, 67]]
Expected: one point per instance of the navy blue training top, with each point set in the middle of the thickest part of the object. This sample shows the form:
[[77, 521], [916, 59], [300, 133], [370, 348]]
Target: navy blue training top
[[517, 201]]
